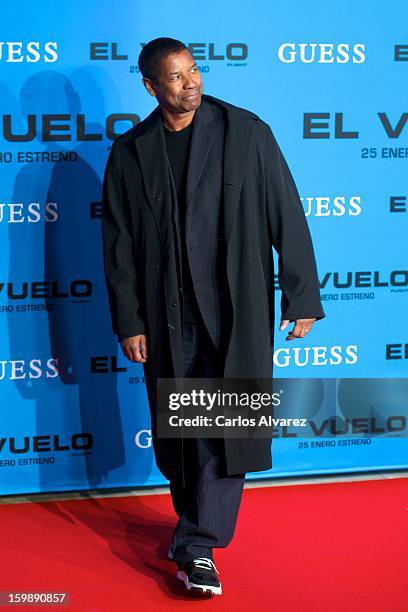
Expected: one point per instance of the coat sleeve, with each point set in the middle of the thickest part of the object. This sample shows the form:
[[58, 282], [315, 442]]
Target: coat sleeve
[[290, 236], [119, 253]]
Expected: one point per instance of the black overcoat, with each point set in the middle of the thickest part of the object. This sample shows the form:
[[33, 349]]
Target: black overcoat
[[261, 209]]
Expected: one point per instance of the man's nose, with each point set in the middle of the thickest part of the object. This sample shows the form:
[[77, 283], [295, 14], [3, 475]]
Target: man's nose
[[189, 82]]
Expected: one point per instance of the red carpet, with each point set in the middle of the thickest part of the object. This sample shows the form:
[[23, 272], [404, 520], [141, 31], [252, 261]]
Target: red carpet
[[300, 548]]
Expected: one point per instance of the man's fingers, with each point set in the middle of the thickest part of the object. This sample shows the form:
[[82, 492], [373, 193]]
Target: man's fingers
[[301, 329], [283, 324], [296, 332], [134, 353], [304, 331], [135, 348], [127, 353], [143, 345]]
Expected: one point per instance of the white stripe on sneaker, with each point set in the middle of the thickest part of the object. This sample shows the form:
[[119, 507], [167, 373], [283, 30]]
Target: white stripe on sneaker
[[214, 590]]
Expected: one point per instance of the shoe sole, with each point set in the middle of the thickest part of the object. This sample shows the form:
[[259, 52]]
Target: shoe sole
[[198, 588]]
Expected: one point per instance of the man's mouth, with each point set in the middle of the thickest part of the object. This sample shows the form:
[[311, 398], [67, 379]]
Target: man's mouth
[[192, 96]]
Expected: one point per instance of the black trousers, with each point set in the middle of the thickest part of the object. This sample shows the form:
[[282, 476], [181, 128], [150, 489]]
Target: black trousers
[[208, 504]]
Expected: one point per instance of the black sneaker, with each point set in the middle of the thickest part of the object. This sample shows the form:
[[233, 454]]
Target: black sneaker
[[200, 575]]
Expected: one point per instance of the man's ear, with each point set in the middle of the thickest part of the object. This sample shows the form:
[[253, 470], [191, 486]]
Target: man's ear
[[149, 86]]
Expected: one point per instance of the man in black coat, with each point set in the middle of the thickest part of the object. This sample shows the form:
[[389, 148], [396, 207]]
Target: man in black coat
[[194, 197]]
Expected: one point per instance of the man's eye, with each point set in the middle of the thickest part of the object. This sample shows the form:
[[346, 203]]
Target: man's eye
[[194, 69]]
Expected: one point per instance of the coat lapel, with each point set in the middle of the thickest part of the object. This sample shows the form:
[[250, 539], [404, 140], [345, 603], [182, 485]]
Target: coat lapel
[[151, 150], [201, 139], [237, 143], [238, 136]]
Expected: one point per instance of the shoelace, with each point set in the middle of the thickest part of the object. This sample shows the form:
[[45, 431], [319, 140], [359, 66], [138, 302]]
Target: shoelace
[[205, 563]]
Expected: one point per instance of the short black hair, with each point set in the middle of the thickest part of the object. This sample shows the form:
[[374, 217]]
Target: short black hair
[[154, 52]]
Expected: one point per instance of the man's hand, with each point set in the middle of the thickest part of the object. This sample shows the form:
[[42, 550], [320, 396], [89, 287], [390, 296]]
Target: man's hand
[[135, 348], [302, 327]]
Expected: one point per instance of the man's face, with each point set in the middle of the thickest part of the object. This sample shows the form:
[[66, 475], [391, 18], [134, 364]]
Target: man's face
[[179, 86]]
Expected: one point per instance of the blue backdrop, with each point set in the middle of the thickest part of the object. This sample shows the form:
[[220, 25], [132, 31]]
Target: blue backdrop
[[330, 79]]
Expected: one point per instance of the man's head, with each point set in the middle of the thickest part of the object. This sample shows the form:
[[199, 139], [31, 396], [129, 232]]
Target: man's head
[[171, 74]]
